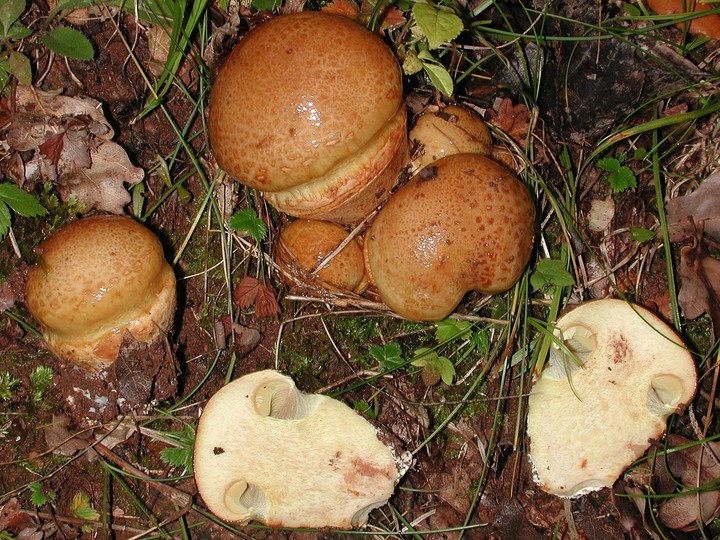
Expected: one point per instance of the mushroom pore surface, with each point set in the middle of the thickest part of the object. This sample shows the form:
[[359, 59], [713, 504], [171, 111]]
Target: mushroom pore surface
[[308, 109], [305, 243], [97, 278], [265, 451], [615, 375], [463, 223]]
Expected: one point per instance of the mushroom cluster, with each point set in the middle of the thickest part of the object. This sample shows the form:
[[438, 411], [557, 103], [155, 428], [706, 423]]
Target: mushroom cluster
[[265, 451], [98, 278], [330, 141], [615, 375]]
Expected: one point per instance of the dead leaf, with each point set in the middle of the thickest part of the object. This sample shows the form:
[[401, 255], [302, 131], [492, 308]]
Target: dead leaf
[[512, 119], [60, 440], [690, 467], [102, 186], [346, 8], [703, 204], [266, 305], [135, 371], [699, 281], [52, 147]]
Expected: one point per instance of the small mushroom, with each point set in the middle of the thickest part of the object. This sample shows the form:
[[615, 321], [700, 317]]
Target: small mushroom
[[614, 376], [265, 451], [706, 25], [304, 244], [453, 130], [308, 108], [98, 278], [463, 223]]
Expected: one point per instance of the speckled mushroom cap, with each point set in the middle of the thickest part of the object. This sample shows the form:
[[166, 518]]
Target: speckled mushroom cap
[[308, 109], [265, 451], [463, 223], [305, 243], [98, 278]]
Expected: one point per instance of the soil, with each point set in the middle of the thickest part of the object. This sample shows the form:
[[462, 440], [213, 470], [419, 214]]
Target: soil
[[103, 434]]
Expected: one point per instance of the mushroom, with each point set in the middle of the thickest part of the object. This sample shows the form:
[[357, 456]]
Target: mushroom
[[265, 451], [706, 25], [98, 278], [453, 130], [463, 223], [614, 376], [305, 243], [308, 109]]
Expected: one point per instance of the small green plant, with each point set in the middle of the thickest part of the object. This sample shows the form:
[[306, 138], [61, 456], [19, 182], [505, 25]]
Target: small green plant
[[181, 455], [388, 355], [61, 40], [40, 495], [19, 201], [247, 220], [7, 384], [619, 176], [434, 25], [82, 508], [550, 272], [41, 380], [434, 366]]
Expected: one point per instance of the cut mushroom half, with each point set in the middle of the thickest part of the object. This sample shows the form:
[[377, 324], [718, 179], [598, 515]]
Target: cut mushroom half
[[615, 374], [267, 452]]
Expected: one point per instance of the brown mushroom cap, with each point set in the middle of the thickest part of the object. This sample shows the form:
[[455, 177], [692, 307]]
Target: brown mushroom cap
[[305, 243], [463, 223], [98, 278], [614, 376], [308, 108], [453, 130], [265, 451]]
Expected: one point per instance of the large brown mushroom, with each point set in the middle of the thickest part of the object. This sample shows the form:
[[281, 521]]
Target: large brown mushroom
[[308, 109], [463, 223], [265, 451], [97, 279]]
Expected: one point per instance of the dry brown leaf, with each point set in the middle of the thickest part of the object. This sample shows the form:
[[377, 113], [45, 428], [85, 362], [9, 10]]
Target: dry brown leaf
[[102, 186], [512, 119], [691, 467], [266, 305], [60, 440], [346, 8], [699, 281], [251, 291], [703, 204], [71, 143]]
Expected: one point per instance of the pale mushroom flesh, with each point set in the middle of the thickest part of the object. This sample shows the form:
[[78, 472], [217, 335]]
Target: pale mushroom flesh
[[615, 374], [267, 452]]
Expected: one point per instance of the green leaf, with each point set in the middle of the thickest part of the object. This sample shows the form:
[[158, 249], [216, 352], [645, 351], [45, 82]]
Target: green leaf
[[364, 408], [609, 164], [480, 341], [440, 78], [70, 43], [411, 64], [437, 23], [388, 355], [622, 179], [19, 65], [10, 11], [424, 356], [550, 272], [265, 5], [21, 201], [178, 457], [450, 329], [37, 495], [248, 221], [81, 508], [641, 234], [4, 219], [18, 31], [446, 369]]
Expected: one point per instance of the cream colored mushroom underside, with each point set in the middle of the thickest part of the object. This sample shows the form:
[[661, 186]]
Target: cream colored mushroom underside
[[585, 431], [325, 468]]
